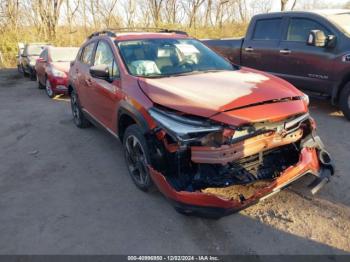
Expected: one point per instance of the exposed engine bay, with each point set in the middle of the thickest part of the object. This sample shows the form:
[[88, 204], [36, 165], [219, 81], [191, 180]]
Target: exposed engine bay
[[230, 162]]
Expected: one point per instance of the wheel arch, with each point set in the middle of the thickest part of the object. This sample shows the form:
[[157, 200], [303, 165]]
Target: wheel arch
[[128, 115], [339, 87], [70, 88]]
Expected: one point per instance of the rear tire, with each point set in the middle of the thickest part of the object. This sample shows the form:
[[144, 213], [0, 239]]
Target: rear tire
[[32, 75], [25, 74], [344, 101], [79, 119], [40, 85], [137, 157]]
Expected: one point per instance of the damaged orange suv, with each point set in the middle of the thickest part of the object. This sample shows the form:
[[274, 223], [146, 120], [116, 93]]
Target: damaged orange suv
[[213, 137]]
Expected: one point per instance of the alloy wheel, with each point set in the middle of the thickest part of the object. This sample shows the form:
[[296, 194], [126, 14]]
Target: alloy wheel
[[48, 88], [75, 108], [136, 160]]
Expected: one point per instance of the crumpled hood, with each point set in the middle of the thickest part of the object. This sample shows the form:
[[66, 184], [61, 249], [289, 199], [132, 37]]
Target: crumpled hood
[[207, 94]]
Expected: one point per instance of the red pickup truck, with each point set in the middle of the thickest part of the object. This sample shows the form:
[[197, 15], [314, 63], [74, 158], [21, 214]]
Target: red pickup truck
[[310, 49]]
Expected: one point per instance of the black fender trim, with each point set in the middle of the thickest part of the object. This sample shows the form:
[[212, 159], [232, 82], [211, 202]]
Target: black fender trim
[[71, 86], [126, 108]]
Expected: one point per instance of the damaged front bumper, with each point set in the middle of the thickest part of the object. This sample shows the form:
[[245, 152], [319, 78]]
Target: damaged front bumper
[[313, 159]]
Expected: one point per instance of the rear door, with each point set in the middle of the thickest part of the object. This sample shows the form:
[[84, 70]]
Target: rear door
[[261, 47], [104, 94], [305, 66]]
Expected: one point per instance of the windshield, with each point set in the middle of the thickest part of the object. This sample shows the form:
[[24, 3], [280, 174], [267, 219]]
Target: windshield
[[35, 49], [342, 21], [63, 54], [170, 57]]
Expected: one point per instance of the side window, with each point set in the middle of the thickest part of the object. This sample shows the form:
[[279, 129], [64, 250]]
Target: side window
[[46, 55], [104, 56], [299, 29], [42, 55], [268, 29], [87, 52]]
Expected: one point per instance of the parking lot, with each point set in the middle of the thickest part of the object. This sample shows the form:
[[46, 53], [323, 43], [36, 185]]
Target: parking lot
[[67, 191]]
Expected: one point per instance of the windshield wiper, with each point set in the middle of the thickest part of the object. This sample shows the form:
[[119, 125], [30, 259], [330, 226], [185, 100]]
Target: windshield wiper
[[197, 72], [184, 73]]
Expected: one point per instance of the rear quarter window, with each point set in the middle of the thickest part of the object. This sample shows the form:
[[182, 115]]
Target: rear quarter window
[[267, 29]]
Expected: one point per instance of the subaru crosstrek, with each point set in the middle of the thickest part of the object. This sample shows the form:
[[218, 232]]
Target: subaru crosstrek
[[213, 137]]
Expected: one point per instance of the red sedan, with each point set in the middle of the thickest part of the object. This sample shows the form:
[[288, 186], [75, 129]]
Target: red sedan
[[52, 69]]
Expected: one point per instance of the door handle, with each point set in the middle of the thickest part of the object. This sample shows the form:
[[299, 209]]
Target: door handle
[[285, 51], [88, 81], [249, 49]]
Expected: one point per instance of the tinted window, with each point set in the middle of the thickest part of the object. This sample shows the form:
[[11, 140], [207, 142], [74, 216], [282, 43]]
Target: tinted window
[[86, 56], [299, 29], [104, 56], [268, 29], [43, 55]]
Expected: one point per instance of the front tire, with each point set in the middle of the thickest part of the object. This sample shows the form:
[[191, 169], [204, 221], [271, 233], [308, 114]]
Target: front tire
[[78, 116], [49, 91], [137, 157], [344, 101]]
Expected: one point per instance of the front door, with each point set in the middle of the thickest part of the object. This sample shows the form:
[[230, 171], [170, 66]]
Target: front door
[[305, 66], [104, 93], [83, 77]]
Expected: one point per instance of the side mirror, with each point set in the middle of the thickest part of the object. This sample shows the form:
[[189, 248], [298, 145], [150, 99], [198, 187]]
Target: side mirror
[[317, 38], [331, 41], [100, 71]]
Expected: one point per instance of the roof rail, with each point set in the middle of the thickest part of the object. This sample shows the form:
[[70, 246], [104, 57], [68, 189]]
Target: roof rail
[[147, 29], [104, 32], [165, 30]]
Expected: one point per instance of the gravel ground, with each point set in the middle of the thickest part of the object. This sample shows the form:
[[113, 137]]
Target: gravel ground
[[67, 191]]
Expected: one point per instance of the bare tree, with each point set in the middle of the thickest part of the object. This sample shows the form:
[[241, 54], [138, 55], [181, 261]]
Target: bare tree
[[71, 12], [242, 8], [262, 6], [171, 11], [191, 7], [347, 5], [284, 4], [49, 13], [108, 14], [130, 12], [155, 7]]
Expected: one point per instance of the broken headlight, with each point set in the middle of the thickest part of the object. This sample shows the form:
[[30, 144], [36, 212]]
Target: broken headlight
[[306, 99], [183, 128]]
